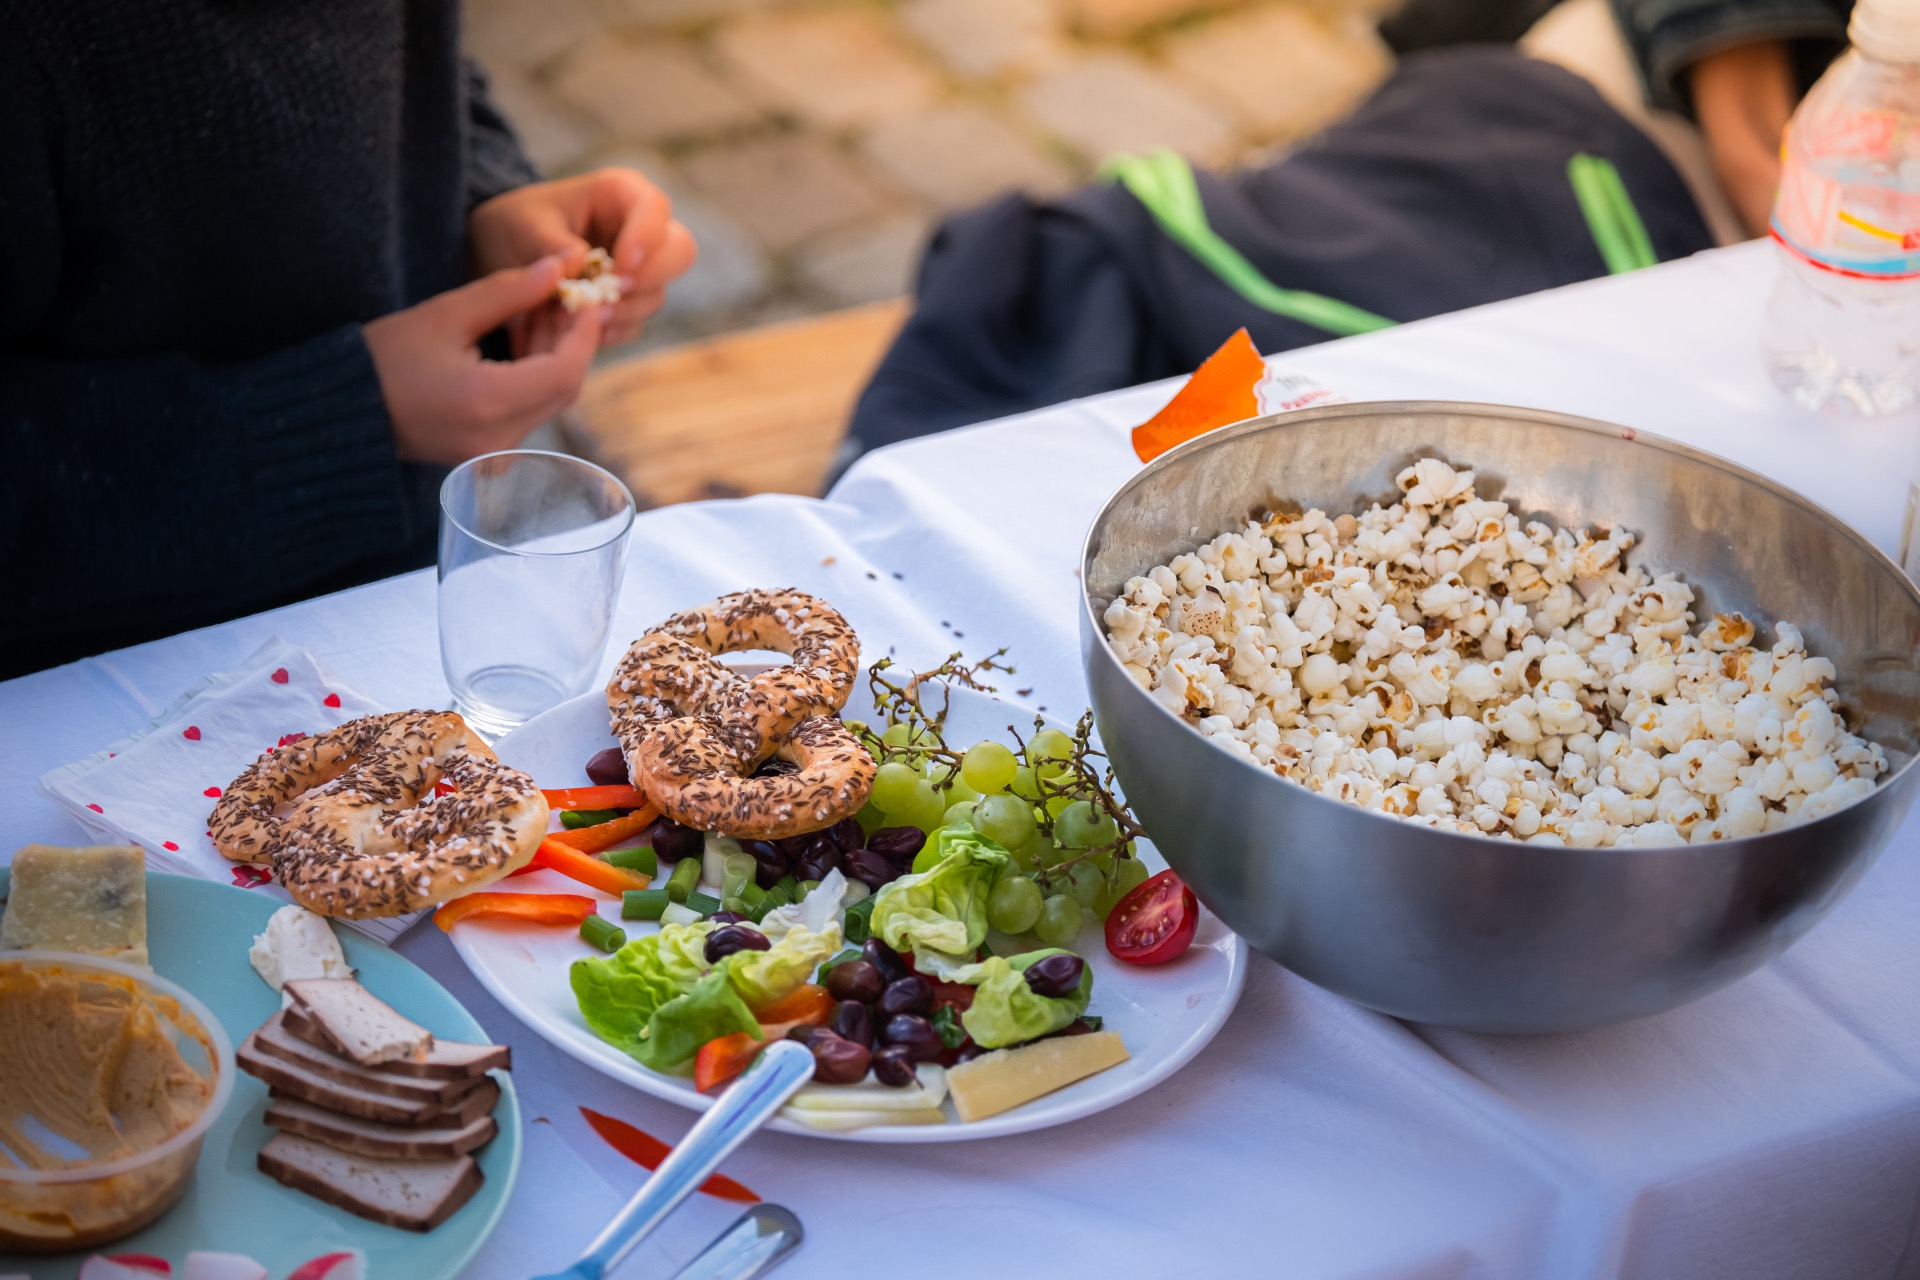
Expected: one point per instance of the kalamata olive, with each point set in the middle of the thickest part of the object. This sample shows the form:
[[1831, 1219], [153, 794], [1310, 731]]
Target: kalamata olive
[[911, 994], [838, 1060], [770, 862], [805, 1032], [673, 842], [1056, 975], [728, 939], [870, 868], [855, 980], [915, 1034], [848, 834], [820, 856], [608, 768], [896, 844], [792, 846], [726, 917], [854, 1021], [968, 1052], [884, 958], [893, 1065]]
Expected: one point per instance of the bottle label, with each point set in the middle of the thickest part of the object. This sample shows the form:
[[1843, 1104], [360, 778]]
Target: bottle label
[[1835, 212]]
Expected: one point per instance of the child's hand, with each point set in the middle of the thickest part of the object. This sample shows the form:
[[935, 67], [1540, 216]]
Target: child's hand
[[613, 209], [448, 404]]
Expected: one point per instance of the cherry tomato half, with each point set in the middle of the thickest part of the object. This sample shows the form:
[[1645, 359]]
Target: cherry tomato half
[[1155, 921]]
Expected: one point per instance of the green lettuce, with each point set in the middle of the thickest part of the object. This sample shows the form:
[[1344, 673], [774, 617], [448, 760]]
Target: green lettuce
[[679, 1027], [619, 994], [940, 914], [1006, 1010]]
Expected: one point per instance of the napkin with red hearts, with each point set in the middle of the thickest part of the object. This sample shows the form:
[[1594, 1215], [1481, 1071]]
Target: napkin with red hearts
[[156, 787]]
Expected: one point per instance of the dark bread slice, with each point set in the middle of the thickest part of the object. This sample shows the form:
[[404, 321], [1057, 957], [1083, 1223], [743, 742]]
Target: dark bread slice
[[447, 1060], [365, 1027], [308, 1086], [380, 1141], [272, 1038], [414, 1195]]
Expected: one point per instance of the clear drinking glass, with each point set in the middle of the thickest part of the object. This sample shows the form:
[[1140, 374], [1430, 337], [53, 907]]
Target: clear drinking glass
[[532, 547]]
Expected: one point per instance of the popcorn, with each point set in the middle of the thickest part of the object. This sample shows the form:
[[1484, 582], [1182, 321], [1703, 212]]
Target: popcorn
[[1441, 661]]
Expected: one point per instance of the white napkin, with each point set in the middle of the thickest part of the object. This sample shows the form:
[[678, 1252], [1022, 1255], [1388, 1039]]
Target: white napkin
[[156, 787]]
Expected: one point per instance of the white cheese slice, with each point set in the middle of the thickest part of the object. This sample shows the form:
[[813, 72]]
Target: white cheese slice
[[1008, 1078], [297, 944], [839, 1121], [926, 1094]]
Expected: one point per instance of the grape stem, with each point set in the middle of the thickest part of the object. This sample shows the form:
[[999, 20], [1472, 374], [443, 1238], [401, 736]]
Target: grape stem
[[1086, 774]]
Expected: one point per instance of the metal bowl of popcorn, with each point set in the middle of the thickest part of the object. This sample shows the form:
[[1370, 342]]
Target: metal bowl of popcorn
[[1494, 718]]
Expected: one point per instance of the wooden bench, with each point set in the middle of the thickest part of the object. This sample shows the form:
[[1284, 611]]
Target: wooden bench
[[759, 411]]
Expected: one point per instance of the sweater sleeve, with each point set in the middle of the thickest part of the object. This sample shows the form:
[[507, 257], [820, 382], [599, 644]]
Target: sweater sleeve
[[1669, 36], [496, 162], [151, 493]]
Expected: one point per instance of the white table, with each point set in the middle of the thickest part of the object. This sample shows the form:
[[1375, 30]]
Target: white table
[[1771, 1130]]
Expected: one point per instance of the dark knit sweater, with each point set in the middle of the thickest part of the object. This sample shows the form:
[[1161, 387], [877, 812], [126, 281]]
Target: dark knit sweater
[[200, 203]]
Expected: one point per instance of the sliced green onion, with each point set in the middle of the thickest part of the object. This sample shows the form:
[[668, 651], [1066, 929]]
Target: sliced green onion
[[679, 913], [791, 885], [603, 933], [736, 871], [685, 877], [753, 895], [643, 904], [859, 926], [574, 819], [705, 904], [856, 891], [639, 858]]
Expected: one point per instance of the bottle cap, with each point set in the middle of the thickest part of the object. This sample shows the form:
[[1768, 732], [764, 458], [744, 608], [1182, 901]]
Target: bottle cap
[[1887, 29]]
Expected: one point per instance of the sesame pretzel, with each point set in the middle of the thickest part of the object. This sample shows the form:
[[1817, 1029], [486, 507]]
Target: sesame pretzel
[[353, 826], [694, 731]]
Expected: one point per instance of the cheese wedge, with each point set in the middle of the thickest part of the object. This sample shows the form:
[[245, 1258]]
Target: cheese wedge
[[1009, 1078], [91, 900]]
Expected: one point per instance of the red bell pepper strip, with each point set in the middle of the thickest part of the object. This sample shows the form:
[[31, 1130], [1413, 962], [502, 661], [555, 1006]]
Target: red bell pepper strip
[[607, 835], [808, 1003], [587, 869], [596, 798], [724, 1057], [527, 908], [648, 1151]]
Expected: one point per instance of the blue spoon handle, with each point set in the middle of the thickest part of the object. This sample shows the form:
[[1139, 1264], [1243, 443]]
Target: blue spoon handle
[[751, 1101]]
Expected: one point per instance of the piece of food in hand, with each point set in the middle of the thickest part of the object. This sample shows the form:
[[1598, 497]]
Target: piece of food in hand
[[297, 944], [382, 816], [446, 1060], [92, 900], [372, 1138], [597, 285], [1008, 1078], [414, 1195], [360, 1024]]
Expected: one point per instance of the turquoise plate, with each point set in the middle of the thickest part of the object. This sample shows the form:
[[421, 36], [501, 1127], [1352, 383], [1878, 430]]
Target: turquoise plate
[[198, 934]]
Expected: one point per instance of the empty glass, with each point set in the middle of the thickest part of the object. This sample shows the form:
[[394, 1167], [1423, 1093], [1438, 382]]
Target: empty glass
[[532, 547]]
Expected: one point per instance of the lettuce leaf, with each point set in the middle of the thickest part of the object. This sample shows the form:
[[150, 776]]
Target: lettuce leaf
[[619, 994], [1006, 1010], [940, 914], [711, 1009]]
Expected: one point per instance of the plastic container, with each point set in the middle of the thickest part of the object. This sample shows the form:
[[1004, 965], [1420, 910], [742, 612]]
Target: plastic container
[[1842, 332], [88, 1203]]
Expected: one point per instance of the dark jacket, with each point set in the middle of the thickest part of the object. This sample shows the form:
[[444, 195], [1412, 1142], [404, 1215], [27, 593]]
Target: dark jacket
[[201, 203]]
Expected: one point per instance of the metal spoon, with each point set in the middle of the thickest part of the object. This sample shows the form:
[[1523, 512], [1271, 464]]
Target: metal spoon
[[751, 1101], [755, 1244]]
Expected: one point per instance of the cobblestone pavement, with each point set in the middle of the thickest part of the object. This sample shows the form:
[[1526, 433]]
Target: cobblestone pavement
[[812, 145]]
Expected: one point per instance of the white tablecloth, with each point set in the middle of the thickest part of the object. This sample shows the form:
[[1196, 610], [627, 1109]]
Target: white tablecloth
[[1771, 1130]]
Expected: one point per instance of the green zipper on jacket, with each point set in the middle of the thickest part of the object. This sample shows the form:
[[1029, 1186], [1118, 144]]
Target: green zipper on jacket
[[1615, 224]]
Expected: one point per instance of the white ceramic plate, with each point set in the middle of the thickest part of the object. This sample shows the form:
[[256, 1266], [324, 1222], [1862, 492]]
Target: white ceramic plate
[[1165, 1013]]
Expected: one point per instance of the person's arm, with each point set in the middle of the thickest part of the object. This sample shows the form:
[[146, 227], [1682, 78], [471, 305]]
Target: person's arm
[[1669, 38], [1743, 97], [496, 162]]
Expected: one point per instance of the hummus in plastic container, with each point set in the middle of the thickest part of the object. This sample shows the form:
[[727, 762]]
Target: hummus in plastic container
[[109, 1079]]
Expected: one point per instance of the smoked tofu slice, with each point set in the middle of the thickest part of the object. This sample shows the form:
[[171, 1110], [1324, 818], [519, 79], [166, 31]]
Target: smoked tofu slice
[[1009, 1078], [92, 900]]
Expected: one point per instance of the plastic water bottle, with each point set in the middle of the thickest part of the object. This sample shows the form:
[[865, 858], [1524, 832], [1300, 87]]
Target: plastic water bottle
[[1843, 330]]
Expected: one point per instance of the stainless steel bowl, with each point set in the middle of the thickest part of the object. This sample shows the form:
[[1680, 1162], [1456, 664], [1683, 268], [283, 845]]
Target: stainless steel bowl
[[1477, 932]]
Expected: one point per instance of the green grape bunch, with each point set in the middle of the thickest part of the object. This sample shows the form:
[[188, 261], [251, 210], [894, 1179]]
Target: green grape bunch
[[1048, 798]]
